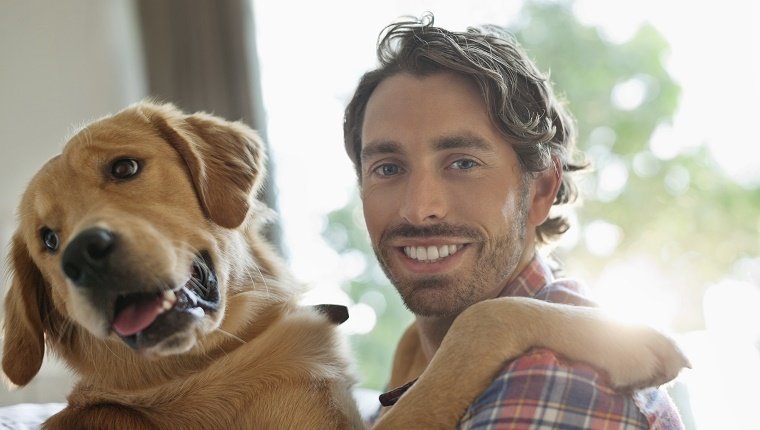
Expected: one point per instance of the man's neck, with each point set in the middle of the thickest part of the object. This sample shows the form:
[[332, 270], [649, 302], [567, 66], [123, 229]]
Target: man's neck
[[431, 331]]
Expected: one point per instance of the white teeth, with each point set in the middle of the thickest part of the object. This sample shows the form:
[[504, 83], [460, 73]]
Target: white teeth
[[198, 312], [430, 253], [170, 298]]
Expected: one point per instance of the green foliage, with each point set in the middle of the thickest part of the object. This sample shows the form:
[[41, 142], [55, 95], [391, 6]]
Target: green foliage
[[681, 212], [373, 351]]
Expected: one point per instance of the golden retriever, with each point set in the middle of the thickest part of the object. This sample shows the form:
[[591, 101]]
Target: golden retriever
[[138, 260]]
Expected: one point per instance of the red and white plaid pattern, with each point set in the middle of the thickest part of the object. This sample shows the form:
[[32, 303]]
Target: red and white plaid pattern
[[541, 391]]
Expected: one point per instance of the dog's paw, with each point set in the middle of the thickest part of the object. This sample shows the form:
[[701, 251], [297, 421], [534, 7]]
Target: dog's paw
[[655, 359]]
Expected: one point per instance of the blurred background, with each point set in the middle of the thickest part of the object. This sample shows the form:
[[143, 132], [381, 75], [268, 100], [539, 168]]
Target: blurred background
[[665, 94]]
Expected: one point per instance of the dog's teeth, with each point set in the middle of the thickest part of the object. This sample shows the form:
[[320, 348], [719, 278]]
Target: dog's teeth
[[191, 296], [169, 299], [170, 296]]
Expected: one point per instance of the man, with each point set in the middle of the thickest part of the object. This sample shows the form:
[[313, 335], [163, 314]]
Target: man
[[462, 149]]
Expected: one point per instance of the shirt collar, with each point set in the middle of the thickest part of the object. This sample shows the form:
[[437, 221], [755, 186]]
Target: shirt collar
[[532, 279]]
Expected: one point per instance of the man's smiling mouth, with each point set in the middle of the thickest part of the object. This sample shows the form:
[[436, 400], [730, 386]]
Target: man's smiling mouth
[[431, 254]]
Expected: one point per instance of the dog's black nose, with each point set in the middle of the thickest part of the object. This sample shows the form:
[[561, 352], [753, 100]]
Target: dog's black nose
[[86, 258]]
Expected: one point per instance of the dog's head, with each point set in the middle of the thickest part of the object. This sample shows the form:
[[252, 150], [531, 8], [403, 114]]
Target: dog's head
[[128, 236]]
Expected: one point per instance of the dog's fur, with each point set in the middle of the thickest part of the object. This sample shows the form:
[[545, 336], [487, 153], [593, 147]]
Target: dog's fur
[[246, 354]]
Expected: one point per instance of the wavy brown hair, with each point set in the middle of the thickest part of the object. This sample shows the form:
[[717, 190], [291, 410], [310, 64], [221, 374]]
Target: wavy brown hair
[[520, 99]]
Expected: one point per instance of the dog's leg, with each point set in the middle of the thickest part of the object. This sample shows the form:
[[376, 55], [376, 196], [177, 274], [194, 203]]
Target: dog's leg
[[489, 334]]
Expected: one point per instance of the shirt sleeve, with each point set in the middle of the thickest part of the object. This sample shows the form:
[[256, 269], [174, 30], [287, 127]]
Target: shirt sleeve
[[538, 390]]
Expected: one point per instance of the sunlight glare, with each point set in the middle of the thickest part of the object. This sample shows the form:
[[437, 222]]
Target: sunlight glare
[[636, 292], [362, 320]]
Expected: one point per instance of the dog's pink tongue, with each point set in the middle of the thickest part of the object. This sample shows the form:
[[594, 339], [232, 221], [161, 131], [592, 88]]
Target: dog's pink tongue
[[137, 316]]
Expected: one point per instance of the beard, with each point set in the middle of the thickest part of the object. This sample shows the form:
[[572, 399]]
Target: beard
[[450, 294]]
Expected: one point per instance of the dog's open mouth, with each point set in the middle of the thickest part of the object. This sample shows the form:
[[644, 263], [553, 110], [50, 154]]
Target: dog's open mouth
[[144, 319]]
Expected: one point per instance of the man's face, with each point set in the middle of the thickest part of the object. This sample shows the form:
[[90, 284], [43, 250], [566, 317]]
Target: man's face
[[445, 200]]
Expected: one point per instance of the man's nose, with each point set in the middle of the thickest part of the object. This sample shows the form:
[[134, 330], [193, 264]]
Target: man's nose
[[425, 199]]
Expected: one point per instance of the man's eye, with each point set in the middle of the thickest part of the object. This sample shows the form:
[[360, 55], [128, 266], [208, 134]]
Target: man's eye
[[464, 164], [124, 168], [387, 170]]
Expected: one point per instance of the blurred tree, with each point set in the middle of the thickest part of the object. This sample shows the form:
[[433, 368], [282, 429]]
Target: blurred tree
[[373, 351], [679, 212]]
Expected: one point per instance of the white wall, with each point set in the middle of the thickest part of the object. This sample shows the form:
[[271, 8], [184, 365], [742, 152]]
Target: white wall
[[62, 64]]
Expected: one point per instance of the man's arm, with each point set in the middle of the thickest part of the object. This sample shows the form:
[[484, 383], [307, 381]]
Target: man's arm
[[539, 390], [493, 332]]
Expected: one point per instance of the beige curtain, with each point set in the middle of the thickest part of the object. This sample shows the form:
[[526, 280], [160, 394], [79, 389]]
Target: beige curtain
[[201, 55]]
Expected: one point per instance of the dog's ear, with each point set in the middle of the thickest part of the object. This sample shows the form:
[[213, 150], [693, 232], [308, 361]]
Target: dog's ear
[[23, 336], [226, 161]]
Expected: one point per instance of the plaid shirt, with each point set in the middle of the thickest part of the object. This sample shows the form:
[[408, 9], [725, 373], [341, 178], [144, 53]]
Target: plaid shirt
[[541, 391]]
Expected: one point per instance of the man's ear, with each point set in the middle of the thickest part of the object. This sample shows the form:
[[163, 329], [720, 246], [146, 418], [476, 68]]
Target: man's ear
[[226, 160], [23, 336], [544, 192]]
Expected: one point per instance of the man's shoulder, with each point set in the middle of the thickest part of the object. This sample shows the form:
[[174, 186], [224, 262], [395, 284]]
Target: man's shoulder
[[540, 385], [566, 291]]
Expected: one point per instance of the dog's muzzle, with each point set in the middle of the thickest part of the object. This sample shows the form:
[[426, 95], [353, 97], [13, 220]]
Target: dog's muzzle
[[141, 309]]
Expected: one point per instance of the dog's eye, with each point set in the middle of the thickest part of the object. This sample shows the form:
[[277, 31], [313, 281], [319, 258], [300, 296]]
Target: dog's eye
[[49, 239], [124, 168]]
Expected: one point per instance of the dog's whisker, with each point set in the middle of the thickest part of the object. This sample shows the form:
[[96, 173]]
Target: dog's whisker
[[261, 277], [230, 335], [203, 350], [65, 331], [112, 351]]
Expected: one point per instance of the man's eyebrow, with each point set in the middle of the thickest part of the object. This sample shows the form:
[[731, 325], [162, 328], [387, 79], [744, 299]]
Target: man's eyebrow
[[462, 141], [454, 141], [380, 148]]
